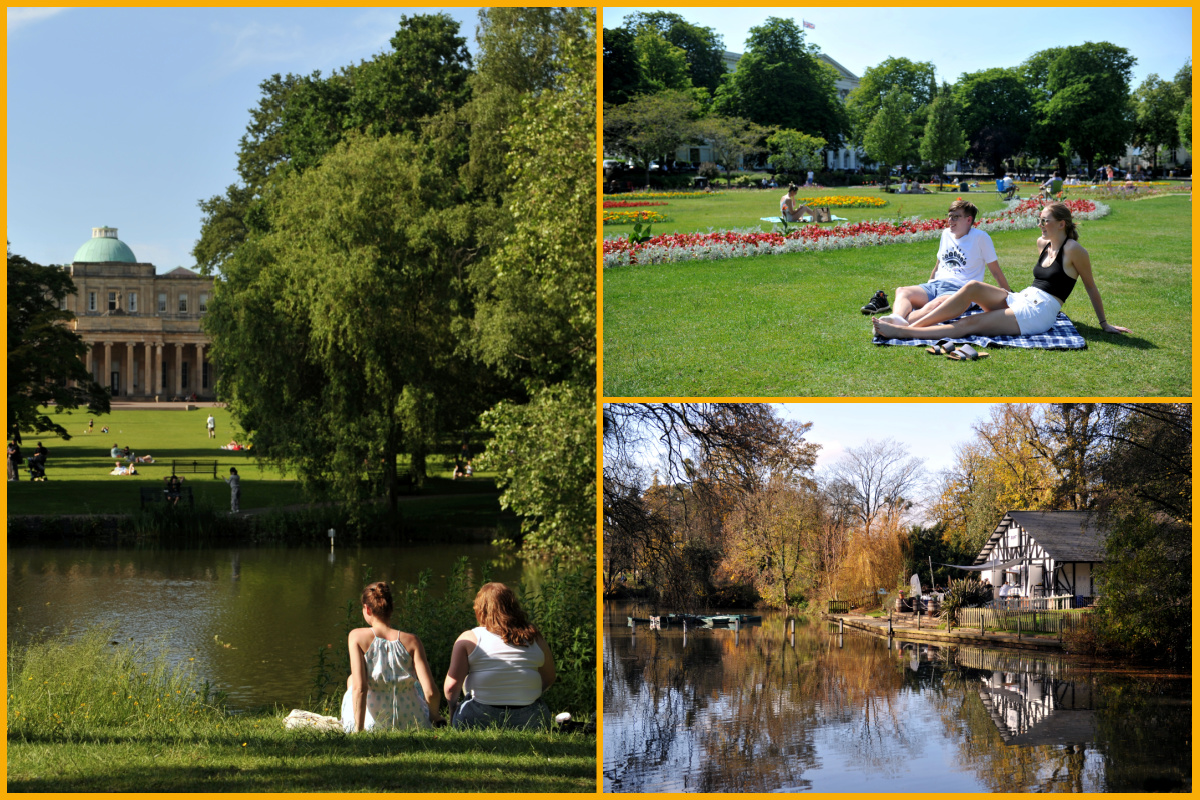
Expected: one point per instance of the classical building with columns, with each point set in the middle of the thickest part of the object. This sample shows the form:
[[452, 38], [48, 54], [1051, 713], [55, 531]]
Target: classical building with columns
[[142, 329]]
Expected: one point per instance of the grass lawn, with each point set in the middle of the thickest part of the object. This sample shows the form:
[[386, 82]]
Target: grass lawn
[[79, 482], [789, 325], [252, 753]]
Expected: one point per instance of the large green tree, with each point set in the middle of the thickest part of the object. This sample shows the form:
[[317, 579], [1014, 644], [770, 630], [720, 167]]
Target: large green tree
[[1183, 79], [1157, 106], [650, 126], [702, 47], [662, 65], [622, 78], [44, 354], [781, 82], [1145, 608], [1081, 102], [913, 79], [793, 152], [943, 140], [888, 139], [995, 113], [535, 297], [332, 328], [299, 118], [733, 140]]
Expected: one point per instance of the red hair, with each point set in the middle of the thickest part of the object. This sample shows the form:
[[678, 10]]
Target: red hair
[[496, 609]]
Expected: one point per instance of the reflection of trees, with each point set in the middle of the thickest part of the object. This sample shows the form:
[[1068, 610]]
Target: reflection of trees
[[748, 711], [739, 710]]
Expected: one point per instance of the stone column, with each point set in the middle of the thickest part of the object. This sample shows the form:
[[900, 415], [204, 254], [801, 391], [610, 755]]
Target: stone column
[[156, 381], [148, 381], [200, 368], [107, 379], [130, 369], [176, 388]]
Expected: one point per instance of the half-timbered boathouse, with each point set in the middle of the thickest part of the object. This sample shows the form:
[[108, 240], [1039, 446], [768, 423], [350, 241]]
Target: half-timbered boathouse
[[1055, 552]]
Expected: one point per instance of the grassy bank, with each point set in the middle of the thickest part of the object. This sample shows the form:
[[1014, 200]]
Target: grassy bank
[[94, 715], [789, 325]]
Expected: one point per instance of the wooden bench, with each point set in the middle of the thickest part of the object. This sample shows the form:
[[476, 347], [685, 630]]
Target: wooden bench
[[155, 495], [194, 467]]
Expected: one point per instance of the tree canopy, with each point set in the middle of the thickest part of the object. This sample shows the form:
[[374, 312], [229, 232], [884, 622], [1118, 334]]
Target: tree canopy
[[44, 354], [411, 247], [781, 82], [995, 113], [888, 137]]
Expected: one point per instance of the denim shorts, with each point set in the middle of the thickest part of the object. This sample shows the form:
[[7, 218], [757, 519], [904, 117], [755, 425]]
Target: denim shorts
[[473, 714], [940, 287]]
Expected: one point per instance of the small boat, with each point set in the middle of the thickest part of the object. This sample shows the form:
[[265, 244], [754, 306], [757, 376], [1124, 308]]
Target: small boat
[[730, 619]]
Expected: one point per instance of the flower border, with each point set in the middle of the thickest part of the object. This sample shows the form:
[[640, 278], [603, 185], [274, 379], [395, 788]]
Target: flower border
[[719, 245]]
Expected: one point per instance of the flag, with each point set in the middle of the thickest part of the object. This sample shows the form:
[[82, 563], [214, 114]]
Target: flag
[[808, 24]]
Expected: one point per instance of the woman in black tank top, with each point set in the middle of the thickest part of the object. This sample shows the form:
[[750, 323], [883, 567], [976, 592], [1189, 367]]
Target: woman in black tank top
[[1068, 262]]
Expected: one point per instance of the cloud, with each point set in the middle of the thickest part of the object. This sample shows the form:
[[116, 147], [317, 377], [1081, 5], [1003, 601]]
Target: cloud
[[22, 17]]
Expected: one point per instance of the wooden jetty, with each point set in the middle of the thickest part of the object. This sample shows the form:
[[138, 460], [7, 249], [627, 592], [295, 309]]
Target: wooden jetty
[[696, 620]]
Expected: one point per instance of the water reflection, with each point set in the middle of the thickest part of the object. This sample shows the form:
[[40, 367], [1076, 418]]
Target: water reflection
[[252, 618], [763, 709]]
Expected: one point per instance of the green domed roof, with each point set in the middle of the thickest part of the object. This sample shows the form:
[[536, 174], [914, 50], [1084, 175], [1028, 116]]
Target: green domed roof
[[104, 246]]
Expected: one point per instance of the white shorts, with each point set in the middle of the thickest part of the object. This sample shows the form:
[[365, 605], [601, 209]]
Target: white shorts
[[1034, 309]]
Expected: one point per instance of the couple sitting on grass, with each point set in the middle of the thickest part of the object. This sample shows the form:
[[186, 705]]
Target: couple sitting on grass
[[923, 312], [501, 668]]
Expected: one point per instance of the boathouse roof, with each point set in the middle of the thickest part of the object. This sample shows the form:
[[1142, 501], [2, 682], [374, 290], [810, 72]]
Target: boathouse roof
[[1065, 535]]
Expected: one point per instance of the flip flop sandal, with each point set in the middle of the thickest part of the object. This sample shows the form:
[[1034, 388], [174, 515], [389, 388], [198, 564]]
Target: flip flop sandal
[[944, 347], [967, 353]]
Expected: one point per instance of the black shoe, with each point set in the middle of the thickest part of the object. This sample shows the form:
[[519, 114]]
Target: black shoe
[[878, 304]]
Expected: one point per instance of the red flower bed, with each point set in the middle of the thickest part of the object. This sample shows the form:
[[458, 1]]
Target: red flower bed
[[744, 241]]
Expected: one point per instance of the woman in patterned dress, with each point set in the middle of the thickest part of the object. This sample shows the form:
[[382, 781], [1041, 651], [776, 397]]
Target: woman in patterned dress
[[390, 685]]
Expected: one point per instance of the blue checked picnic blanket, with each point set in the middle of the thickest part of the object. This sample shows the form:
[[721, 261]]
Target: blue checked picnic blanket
[[1062, 336]]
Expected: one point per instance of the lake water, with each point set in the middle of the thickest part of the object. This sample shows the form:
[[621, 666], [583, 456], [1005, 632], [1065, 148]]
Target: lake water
[[759, 709], [274, 606]]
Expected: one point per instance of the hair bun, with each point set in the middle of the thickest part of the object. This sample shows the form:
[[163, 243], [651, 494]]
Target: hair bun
[[378, 598]]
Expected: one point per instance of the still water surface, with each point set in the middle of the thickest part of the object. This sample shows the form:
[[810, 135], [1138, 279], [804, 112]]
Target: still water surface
[[274, 606], [762, 710]]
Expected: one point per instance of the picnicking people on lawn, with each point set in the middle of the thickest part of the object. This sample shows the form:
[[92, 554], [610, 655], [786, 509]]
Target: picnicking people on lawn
[[788, 210], [1060, 263], [963, 254]]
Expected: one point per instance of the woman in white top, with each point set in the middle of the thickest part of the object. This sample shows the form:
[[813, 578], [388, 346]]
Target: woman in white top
[[502, 666]]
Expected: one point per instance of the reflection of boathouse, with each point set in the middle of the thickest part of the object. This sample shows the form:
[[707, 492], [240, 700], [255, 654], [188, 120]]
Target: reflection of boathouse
[[1052, 553], [1030, 709]]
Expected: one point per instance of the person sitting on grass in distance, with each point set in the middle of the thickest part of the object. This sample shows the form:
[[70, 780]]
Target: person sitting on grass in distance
[[390, 685], [788, 210], [963, 253], [503, 666], [1061, 262], [116, 451]]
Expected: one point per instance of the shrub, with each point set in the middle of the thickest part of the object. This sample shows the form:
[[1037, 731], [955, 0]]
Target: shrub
[[960, 594]]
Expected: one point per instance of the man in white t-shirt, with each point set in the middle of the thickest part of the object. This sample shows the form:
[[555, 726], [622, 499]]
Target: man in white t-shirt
[[962, 256]]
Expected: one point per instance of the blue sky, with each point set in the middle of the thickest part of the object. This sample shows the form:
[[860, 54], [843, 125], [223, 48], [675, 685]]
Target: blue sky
[[957, 39], [928, 430], [127, 117]]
